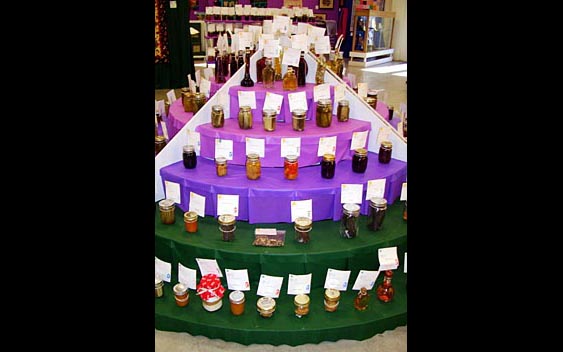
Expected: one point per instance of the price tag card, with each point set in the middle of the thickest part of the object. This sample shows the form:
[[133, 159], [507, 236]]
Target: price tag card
[[299, 284], [274, 101], [205, 86], [285, 42], [382, 135], [339, 92], [352, 78], [208, 266], [267, 27], [164, 131], [321, 91], [255, 145], [208, 73], [376, 188], [187, 276], [388, 259], [327, 145], [224, 148], [405, 271], [210, 29], [404, 191], [253, 11], [198, 77], [362, 89], [245, 39], [246, 10], [172, 190], [172, 95], [161, 107], [269, 286], [301, 208], [302, 29], [227, 204], [224, 11], [247, 98], [237, 279], [299, 41], [238, 10], [290, 146], [359, 140], [366, 278], [194, 139], [256, 32], [209, 10], [291, 57], [297, 101], [351, 193], [162, 270], [322, 45], [261, 11], [282, 23], [197, 204], [230, 12], [191, 85], [315, 32], [337, 279], [173, 4], [216, 10], [271, 48]]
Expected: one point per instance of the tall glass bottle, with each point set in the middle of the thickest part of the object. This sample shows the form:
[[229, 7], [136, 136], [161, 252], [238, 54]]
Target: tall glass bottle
[[289, 79], [260, 64], [225, 61], [240, 59], [278, 69], [385, 290], [219, 75], [247, 81], [233, 67], [268, 74], [302, 70]]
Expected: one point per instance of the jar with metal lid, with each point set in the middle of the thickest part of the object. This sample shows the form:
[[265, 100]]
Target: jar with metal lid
[[301, 303], [245, 117], [376, 214], [217, 116], [237, 302], [372, 95], [269, 118], [190, 221], [253, 168], [324, 113], [360, 160], [385, 150], [343, 110], [167, 208], [349, 220], [181, 295], [303, 226], [189, 157], [328, 166], [227, 225], [290, 167], [332, 299], [298, 119], [266, 306], [371, 102], [158, 287], [159, 144], [200, 99], [183, 92], [221, 166], [391, 110], [188, 101]]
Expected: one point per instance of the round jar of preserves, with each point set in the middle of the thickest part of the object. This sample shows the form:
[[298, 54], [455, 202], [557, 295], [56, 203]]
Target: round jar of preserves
[[221, 166], [253, 168], [360, 160], [217, 116], [158, 287], [266, 306], [167, 208], [189, 158], [213, 304], [349, 221], [371, 102], [301, 303], [181, 295], [269, 118], [200, 100], [237, 300], [188, 101], [372, 96], [227, 225], [190, 221], [245, 117], [328, 166], [290, 167], [343, 110], [376, 213], [385, 150], [303, 226], [159, 144], [298, 119], [332, 299], [324, 113]]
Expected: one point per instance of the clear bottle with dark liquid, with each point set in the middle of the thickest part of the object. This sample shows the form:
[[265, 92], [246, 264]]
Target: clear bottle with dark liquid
[[302, 70], [247, 81]]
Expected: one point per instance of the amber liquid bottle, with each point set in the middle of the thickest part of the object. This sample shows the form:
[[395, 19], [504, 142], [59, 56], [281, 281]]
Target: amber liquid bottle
[[385, 291], [277, 68], [247, 81], [233, 67], [260, 64], [362, 299], [225, 62], [268, 74], [289, 79], [302, 70]]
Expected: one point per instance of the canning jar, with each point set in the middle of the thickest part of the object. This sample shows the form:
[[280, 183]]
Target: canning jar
[[237, 300], [343, 110], [376, 214], [332, 299], [290, 167], [221, 166], [253, 169], [303, 226], [189, 157], [200, 99], [301, 303], [227, 225], [298, 119], [269, 118], [324, 113], [217, 116], [159, 144], [190, 221], [181, 295], [360, 160], [385, 150], [158, 287], [328, 166], [266, 306], [167, 208], [245, 117], [349, 220]]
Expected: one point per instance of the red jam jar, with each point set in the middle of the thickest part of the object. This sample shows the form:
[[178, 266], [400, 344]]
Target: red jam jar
[[290, 167]]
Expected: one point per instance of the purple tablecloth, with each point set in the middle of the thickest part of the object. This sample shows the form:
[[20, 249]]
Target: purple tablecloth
[[267, 200], [309, 140]]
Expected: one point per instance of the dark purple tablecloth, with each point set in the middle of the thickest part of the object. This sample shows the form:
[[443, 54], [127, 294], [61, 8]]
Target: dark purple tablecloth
[[309, 140], [267, 200]]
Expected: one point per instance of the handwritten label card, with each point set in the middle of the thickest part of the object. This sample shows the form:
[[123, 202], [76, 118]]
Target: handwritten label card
[[162, 269], [337, 279], [273, 101], [267, 27], [271, 48], [352, 78], [366, 278], [187, 276], [247, 98], [299, 41], [245, 39], [194, 139], [227, 204], [191, 85], [362, 89], [297, 101], [161, 107], [351, 193], [383, 135], [255, 145], [224, 148], [290, 146], [205, 86], [358, 140], [327, 145], [404, 191], [376, 188], [172, 95], [237, 279], [315, 32], [197, 204], [322, 45], [339, 92], [291, 57], [208, 266], [301, 208], [164, 130], [269, 286], [321, 91], [285, 42], [208, 73], [172, 191], [388, 259], [299, 284], [281, 23], [302, 29]]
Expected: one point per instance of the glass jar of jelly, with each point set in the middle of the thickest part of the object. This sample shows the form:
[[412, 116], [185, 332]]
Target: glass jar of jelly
[[290, 167], [181, 295], [221, 166], [328, 166], [237, 300], [200, 99], [266, 306], [349, 220], [332, 299], [301, 303], [372, 96], [188, 101], [188, 157], [298, 119], [245, 117], [360, 160], [343, 110], [371, 102], [159, 144], [190, 221], [158, 287], [167, 208], [324, 113], [217, 116], [269, 118], [227, 226], [376, 213], [253, 167], [303, 226], [385, 150]]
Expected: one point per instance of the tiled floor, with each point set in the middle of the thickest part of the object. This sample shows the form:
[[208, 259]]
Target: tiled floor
[[392, 77]]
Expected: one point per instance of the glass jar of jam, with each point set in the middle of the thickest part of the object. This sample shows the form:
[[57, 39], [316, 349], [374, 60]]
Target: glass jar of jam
[[158, 287], [245, 117], [266, 306], [360, 160], [349, 221], [343, 110], [328, 166], [269, 118], [372, 96], [290, 167], [227, 225], [159, 144], [391, 110], [303, 226], [181, 295], [167, 208], [188, 157], [376, 213], [301, 303], [221, 166], [371, 101], [188, 101], [190, 221], [385, 150], [298, 119], [324, 113], [237, 302], [332, 299], [200, 99], [253, 168], [217, 116], [166, 108]]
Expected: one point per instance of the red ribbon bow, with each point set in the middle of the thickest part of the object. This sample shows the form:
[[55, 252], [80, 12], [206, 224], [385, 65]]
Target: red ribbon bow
[[209, 287]]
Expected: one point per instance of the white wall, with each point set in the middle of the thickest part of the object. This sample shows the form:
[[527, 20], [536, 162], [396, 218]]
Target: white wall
[[400, 30]]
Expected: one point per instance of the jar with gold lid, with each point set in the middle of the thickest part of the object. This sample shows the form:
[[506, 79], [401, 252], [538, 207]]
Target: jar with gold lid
[[343, 110], [269, 118], [324, 113], [158, 287], [371, 101], [159, 144], [372, 95], [332, 299], [200, 99], [190, 221], [266, 306], [227, 226], [217, 116], [301, 303], [167, 208], [245, 117], [237, 300], [221, 166], [298, 119], [303, 226], [181, 295], [290, 167], [328, 166], [253, 167], [360, 160], [188, 101], [189, 157], [385, 150]]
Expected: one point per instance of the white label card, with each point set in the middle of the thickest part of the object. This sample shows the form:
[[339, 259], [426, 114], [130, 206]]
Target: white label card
[[282, 23], [299, 284], [161, 107], [209, 10], [383, 135], [164, 131], [405, 271], [172, 190], [237, 279], [290, 146], [269, 286], [285, 42], [359, 140], [321, 91], [194, 139], [247, 98], [187, 276], [216, 10], [291, 57], [245, 39], [208, 73], [362, 89], [388, 259], [162, 270], [198, 77], [315, 32], [351, 193], [238, 9], [255, 145], [224, 148], [301, 208], [197, 204], [322, 45], [273, 101], [171, 96], [327, 145], [227, 204], [205, 86], [297, 101], [404, 191], [302, 29], [208, 266], [366, 278], [352, 78], [173, 4], [337, 279], [224, 11], [191, 85], [267, 27], [376, 188], [271, 48], [299, 41]]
